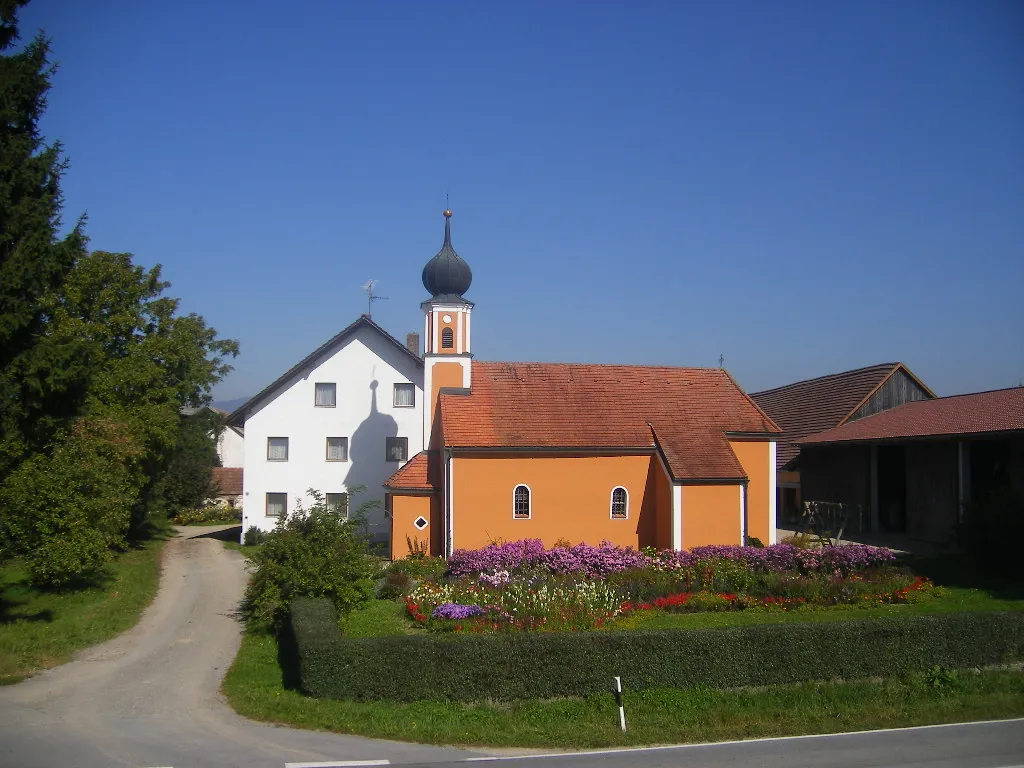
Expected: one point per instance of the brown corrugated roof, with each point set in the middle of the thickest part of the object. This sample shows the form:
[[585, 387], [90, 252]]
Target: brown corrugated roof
[[808, 407], [412, 476], [227, 481], [978, 413], [686, 412]]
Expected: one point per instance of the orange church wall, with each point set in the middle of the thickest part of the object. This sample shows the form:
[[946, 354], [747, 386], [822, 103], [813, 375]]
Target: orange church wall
[[404, 510], [570, 499], [711, 515], [755, 460], [441, 375]]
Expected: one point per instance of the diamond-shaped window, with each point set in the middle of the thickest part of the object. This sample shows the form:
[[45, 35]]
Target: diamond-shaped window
[[420, 523]]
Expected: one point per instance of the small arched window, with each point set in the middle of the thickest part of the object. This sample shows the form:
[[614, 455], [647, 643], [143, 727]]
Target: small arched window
[[521, 503], [620, 503], [447, 338]]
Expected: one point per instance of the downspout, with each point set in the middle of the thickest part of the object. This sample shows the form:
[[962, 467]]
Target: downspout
[[744, 525], [447, 503]]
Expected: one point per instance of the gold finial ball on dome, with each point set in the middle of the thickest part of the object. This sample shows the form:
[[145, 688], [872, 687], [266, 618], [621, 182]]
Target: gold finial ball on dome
[[447, 213]]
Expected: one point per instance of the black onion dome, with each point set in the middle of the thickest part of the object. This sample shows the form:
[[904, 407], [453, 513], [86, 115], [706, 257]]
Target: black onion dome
[[447, 276]]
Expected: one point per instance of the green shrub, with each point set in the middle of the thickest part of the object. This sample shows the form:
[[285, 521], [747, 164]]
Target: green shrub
[[254, 537], [642, 585], [394, 584], [429, 568], [509, 666], [210, 513], [311, 553]]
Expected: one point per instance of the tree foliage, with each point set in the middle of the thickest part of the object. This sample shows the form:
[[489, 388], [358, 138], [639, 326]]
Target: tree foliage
[[96, 364]]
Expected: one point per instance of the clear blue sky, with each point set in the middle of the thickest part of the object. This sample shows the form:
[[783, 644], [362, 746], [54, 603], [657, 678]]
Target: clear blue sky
[[804, 187]]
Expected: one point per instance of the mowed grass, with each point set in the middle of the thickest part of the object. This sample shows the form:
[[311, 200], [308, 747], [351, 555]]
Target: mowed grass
[[42, 629], [255, 688]]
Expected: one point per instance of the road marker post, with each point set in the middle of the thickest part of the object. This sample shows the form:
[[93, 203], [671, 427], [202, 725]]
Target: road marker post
[[618, 702]]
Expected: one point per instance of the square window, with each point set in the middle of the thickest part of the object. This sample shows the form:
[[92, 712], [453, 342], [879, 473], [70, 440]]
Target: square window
[[277, 449], [277, 504], [338, 502], [326, 395], [337, 449], [405, 395], [397, 448]]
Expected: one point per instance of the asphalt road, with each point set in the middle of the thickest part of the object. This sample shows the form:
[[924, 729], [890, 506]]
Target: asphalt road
[[150, 698]]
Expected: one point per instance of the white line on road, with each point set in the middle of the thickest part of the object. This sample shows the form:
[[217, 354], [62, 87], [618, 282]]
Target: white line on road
[[338, 764], [738, 741]]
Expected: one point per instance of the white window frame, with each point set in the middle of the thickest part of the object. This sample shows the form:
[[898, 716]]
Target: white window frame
[[286, 447], [387, 448], [611, 503], [405, 386], [284, 505], [529, 501], [327, 500], [327, 448], [334, 391]]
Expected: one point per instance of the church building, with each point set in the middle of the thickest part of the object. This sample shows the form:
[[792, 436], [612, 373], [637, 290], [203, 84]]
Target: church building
[[635, 455]]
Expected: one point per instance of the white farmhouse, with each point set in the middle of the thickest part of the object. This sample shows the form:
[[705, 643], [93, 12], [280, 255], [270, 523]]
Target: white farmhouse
[[231, 446], [348, 415]]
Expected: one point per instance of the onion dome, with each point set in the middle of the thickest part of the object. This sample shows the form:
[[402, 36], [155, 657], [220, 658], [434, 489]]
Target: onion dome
[[447, 276]]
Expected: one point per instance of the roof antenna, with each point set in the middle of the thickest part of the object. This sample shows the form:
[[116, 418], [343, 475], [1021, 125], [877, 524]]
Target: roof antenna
[[721, 361], [371, 297]]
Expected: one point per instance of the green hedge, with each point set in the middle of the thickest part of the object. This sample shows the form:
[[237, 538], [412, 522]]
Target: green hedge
[[531, 665]]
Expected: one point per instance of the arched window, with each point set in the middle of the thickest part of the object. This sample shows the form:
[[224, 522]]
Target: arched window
[[447, 338], [521, 503], [620, 503]]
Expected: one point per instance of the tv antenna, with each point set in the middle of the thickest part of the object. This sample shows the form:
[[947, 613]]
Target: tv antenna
[[371, 297]]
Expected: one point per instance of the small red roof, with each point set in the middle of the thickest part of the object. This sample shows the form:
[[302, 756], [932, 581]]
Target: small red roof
[[227, 481], [412, 476], [687, 412], [982, 412]]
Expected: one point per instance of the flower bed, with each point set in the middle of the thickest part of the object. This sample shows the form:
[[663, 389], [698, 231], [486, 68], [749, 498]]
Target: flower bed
[[523, 586]]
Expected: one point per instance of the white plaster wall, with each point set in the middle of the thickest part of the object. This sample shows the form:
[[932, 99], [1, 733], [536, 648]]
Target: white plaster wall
[[230, 448], [365, 370]]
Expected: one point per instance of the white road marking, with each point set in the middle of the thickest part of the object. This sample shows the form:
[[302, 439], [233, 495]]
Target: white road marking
[[738, 741], [338, 764]]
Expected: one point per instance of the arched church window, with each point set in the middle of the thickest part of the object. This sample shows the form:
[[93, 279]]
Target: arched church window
[[620, 503], [521, 503]]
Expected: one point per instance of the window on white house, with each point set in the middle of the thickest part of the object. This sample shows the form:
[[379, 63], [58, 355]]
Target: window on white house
[[326, 395], [521, 503], [405, 395], [447, 338], [338, 502], [277, 504], [397, 448], [337, 449], [277, 449], [620, 503]]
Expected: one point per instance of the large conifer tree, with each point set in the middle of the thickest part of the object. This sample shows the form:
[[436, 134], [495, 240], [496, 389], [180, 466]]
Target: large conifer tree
[[33, 261]]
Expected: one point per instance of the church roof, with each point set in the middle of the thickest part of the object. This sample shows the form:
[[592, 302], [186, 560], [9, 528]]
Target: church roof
[[412, 476], [685, 413], [446, 276]]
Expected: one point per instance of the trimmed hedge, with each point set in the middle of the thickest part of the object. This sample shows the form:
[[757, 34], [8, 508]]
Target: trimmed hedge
[[537, 665]]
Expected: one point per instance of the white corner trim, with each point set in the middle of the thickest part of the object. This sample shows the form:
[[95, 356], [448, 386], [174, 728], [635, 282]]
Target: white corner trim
[[677, 516], [743, 517], [773, 510]]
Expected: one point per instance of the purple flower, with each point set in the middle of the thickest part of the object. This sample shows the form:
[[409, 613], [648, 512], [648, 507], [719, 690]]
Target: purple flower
[[456, 611]]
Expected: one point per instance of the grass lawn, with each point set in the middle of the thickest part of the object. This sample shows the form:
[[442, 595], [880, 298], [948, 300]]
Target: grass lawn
[[255, 688], [43, 629]]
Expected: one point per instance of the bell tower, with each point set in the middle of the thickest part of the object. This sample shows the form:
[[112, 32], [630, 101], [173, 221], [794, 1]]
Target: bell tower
[[447, 358]]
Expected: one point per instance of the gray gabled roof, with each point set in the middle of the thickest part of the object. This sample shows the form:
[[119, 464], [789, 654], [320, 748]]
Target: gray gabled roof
[[237, 418]]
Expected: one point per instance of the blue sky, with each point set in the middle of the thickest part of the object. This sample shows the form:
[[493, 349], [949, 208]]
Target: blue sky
[[803, 187]]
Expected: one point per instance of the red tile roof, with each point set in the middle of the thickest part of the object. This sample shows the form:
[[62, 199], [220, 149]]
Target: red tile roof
[[412, 475], [978, 413], [808, 407], [227, 481], [685, 411]]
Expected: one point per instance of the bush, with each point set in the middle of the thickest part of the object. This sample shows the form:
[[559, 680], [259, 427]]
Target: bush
[[509, 666], [212, 513], [254, 537], [311, 553]]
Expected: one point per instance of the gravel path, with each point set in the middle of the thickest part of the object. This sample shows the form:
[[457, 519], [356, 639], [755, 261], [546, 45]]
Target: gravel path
[[150, 697]]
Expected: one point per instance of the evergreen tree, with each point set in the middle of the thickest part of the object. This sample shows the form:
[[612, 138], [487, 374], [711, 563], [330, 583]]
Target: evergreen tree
[[35, 379]]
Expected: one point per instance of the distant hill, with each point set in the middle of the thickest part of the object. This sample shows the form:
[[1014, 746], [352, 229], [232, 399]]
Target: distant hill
[[230, 405]]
